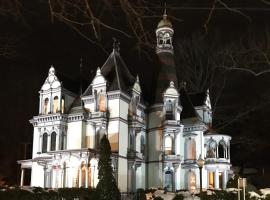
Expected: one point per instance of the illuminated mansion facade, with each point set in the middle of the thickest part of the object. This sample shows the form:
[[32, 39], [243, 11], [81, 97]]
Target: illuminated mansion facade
[[154, 144]]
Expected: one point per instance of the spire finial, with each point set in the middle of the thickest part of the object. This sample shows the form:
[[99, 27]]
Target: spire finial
[[81, 71], [165, 11], [116, 44]]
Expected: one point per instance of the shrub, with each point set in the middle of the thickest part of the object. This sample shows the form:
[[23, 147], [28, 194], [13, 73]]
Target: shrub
[[158, 198], [140, 194], [178, 197]]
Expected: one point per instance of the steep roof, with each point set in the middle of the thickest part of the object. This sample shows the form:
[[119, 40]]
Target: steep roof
[[116, 73]]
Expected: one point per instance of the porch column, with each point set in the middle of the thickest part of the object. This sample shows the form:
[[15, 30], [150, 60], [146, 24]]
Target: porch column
[[80, 177], [224, 179], [216, 180], [22, 176], [86, 176]]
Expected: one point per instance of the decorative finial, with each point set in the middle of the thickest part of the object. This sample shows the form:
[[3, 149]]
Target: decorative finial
[[116, 44], [98, 72], [51, 70], [171, 84], [165, 11], [137, 78]]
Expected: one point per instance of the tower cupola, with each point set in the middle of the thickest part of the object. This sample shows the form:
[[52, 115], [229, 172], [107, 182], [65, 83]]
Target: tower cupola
[[164, 35]]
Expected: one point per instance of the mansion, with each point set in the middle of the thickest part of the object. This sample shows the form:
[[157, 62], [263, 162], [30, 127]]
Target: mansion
[[154, 144]]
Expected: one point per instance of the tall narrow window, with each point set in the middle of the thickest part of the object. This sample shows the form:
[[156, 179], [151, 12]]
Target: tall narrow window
[[169, 110], [63, 104], [46, 106], [221, 149], [168, 143], [191, 181], [142, 144], [190, 149], [55, 104], [102, 103], [53, 141], [211, 149], [44, 142]]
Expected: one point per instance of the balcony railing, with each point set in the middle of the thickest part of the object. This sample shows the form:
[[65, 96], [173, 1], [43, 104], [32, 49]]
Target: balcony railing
[[132, 154], [171, 157], [216, 160]]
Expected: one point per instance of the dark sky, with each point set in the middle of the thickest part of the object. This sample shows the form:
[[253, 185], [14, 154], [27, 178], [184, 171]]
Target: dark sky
[[242, 110]]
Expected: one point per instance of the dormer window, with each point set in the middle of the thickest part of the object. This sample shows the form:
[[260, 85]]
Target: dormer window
[[46, 106]]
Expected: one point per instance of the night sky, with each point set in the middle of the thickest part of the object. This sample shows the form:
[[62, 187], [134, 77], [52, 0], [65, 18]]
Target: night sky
[[242, 108]]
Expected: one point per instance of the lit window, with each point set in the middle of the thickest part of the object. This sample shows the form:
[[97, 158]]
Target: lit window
[[102, 103], [191, 181], [190, 149], [168, 145], [46, 106], [55, 104], [63, 104], [211, 151]]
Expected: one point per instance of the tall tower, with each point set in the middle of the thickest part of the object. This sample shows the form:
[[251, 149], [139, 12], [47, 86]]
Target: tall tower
[[164, 35], [165, 54]]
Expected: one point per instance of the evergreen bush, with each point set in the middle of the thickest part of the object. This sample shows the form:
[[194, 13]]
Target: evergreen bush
[[178, 197], [107, 188]]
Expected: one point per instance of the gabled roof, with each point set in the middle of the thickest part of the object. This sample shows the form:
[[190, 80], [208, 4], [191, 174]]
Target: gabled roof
[[117, 73]]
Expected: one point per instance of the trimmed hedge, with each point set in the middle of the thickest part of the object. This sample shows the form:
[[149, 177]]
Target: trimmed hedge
[[37, 193]]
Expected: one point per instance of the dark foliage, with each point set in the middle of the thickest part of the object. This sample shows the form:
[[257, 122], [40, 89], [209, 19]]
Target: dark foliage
[[140, 194], [178, 197], [44, 194], [107, 187], [158, 198]]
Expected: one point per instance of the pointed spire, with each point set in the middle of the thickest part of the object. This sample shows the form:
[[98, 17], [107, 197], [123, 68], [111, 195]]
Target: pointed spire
[[51, 70], [165, 11], [137, 79], [98, 73], [81, 69], [116, 44]]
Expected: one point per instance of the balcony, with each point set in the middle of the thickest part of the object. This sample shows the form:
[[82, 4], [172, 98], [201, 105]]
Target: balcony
[[217, 161], [98, 114], [172, 158], [134, 155]]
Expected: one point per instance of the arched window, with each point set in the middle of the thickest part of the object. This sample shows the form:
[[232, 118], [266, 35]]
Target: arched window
[[190, 149], [46, 106], [169, 110], [168, 145], [191, 181], [53, 141], [44, 142], [211, 149], [55, 104], [168, 184], [93, 173], [102, 102], [222, 149], [63, 104]]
